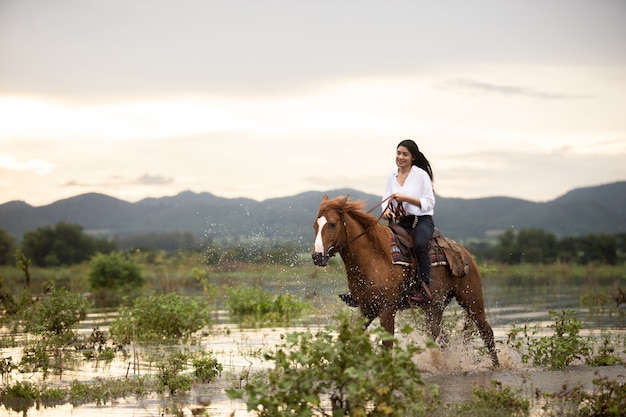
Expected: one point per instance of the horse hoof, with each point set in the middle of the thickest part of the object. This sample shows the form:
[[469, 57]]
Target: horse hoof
[[349, 299]]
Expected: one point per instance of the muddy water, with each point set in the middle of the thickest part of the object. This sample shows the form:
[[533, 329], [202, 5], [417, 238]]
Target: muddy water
[[457, 371]]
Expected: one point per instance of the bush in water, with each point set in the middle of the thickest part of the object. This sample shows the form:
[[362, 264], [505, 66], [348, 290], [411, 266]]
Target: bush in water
[[340, 369], [245, 302], [153, 316], [557, 350]]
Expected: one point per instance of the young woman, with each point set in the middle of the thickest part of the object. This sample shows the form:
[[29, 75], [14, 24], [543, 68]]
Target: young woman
[[411, 185]]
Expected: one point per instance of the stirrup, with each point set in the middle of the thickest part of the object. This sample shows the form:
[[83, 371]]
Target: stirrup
[[422, 296]]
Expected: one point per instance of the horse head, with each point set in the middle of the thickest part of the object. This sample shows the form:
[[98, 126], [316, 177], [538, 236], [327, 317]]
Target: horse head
[[330, 230]]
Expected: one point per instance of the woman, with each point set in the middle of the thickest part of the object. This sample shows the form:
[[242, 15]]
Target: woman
[[411, 185]]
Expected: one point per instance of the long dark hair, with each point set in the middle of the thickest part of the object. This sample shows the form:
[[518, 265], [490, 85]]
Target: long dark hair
[[419, 160]]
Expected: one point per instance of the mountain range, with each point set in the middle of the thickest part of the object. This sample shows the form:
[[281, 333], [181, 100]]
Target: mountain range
[[597, 209]]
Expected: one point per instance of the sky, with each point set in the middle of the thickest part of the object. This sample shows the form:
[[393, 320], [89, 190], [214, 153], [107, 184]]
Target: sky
[[266, 99]]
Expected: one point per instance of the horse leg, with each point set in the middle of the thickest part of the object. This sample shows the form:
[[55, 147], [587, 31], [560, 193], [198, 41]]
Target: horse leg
[[387, 321], [433, 315], [485, 330], [467, 334]]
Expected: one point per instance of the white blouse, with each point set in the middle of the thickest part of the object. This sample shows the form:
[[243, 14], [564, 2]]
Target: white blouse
[[417, 184]]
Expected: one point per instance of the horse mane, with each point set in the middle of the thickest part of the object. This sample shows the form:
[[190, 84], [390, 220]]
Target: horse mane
[[356, 210]]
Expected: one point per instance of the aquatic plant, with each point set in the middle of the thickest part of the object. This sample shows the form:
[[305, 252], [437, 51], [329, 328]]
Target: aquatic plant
[[260, 306], [56, 313], [496, 401], [605, 354], [339, 371], [170, 373], [206, 368], [159, 316], [20, 396], [173, 378], [606, 399], [556, 350]]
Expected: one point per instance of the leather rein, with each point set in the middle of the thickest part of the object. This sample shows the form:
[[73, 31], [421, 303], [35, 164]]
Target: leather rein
[[345, 227]]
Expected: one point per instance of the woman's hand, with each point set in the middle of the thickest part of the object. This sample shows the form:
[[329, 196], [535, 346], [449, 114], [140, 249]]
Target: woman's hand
[[403, 198], [389, 214], [400, 198]]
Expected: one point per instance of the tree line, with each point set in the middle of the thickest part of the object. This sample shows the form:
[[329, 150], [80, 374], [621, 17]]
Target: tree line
[[67, 244], [537, 246]]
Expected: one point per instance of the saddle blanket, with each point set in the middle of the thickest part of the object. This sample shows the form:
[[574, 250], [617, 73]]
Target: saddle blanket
[[437, 258], [442, 250]]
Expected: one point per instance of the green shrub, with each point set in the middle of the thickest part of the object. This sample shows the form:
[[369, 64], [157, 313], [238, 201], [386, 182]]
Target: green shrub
[[173, 376], [606, 399], [496, 401], [206, 367], [338, 371], [246, 302], [557, 350], [20, 396], [103, 390], [52, 396], [605, 354], [170, 374], [114, 271], [159, 316], [56, 313]]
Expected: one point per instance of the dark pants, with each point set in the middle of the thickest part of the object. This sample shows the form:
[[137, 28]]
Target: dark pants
[[421, 235]]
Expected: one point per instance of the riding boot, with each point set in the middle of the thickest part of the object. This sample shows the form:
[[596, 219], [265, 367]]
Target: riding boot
[[421, 294]]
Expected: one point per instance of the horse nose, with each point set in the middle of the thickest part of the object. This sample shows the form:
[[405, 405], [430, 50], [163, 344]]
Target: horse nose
[[319, 259]]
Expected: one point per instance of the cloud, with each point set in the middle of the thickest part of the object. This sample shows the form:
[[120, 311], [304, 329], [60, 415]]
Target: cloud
[[154, 180], [479, 87], [37, 165], [120, 181], [544, 176]]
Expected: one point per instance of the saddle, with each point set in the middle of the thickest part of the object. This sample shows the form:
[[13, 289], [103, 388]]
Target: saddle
[[442, 250]]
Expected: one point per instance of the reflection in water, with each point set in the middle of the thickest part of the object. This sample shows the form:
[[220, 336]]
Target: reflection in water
[[457, 370]]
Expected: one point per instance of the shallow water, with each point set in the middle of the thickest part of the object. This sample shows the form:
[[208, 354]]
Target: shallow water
[[457, 370]]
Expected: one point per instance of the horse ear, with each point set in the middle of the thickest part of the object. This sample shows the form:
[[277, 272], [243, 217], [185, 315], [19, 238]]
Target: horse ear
[[344, 200], [325, 197]]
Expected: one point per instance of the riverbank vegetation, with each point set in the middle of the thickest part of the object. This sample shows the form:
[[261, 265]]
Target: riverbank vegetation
[[166, 301]]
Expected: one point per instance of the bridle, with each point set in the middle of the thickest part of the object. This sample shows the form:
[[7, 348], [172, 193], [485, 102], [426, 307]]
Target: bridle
[[333, 250]]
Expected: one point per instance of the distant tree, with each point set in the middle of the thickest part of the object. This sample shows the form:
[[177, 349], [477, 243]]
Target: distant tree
[[620, 246], [167, 241], [507, 251], [6, 248], [481, 250], [598, 248], [114, 271], [568, 249], [537, 246], [63, 244]]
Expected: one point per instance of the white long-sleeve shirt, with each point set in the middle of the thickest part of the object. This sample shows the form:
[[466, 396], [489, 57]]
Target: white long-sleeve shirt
[[417, 184]]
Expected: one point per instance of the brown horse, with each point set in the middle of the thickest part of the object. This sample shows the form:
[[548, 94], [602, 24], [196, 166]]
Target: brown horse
[[379, 286]]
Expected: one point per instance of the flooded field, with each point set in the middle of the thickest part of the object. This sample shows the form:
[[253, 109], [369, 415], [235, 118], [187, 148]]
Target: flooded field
[[457, 370]]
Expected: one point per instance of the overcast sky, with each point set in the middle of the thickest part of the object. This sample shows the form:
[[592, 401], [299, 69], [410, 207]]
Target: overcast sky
[[263, 99]]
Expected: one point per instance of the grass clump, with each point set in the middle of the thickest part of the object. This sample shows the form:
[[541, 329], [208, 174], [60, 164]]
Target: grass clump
[[495, 401], [606, 399], [253, 304]]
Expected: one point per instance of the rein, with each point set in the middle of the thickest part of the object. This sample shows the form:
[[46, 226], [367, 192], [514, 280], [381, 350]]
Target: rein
[[345, 228]]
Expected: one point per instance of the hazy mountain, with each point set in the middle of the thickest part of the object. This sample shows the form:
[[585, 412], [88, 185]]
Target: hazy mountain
[[581, 211]]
